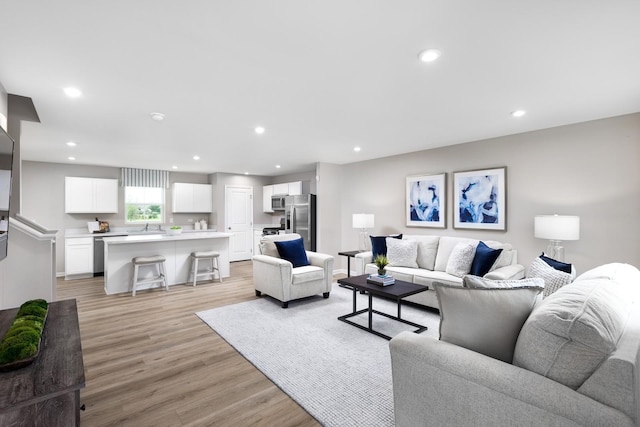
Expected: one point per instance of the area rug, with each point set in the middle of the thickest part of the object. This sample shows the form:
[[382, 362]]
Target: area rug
[[337, 372]]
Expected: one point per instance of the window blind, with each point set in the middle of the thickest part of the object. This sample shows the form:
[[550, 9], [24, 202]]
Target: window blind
[[132, 177]]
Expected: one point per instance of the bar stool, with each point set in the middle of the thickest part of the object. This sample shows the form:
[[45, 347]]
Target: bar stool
[[156, 261], [213, 257]]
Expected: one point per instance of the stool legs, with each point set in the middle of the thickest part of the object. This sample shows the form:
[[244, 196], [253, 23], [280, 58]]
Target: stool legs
[[215, 267], [160, 278]]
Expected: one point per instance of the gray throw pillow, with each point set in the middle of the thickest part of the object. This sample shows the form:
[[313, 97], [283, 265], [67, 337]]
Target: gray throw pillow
[[553, 279], [484, 320]]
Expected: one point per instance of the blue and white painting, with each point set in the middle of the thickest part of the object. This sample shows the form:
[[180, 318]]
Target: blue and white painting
[[426, 200], [479, 199]]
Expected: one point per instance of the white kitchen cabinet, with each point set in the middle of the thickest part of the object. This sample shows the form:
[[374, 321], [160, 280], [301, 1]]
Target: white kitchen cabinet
[[257, 235], [295, 188], [78, 256], [90, 195], [192, 198], [281, 189], [267, 192]]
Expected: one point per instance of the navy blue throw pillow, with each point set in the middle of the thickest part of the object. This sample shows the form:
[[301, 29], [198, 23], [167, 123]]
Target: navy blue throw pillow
[[379, 244], [293, 251], [484, 259], [558, 265]]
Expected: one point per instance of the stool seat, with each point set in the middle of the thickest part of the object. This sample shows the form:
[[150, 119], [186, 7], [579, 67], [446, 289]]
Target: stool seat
[[140, 260], [159, 274], [205, 254], [212, 257]]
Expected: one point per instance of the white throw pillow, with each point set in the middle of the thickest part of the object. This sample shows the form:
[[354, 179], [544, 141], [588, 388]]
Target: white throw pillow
[[476, 282], [402, 253], [461, 258], [553, 279]]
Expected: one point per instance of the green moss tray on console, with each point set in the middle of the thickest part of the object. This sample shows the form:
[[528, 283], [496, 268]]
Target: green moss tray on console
[[21, 344]]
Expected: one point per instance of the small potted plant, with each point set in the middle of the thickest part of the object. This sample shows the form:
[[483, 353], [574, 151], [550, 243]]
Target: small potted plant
[[176, 229], [381, 262]]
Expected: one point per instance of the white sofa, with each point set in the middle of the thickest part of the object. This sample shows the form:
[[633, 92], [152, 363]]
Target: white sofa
[[432, 259]]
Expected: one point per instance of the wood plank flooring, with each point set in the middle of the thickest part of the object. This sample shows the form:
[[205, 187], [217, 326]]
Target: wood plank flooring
[[150, 361]]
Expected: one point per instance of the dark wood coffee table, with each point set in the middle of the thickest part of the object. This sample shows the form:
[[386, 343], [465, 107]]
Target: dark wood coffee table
[[396, 292]]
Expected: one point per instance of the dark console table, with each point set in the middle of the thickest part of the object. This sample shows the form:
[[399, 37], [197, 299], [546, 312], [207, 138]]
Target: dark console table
[[46, 392]]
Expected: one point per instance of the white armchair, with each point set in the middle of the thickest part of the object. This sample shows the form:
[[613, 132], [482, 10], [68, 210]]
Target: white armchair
[[279, 279]]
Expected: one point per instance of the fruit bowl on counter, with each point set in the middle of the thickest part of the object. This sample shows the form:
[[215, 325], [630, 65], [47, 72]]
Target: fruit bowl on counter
[[171, 231]]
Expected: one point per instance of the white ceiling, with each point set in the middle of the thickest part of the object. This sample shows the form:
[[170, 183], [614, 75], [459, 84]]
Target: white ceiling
[[321, 76]]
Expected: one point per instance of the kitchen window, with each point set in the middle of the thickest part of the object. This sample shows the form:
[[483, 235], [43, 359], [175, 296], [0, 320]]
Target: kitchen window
[[144, 205]]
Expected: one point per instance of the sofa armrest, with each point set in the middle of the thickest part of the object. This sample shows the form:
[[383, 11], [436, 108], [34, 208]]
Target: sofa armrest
[[509, 272], [451, 385], [362, 259]]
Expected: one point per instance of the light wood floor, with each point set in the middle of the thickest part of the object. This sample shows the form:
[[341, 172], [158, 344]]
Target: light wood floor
[[150, 361]]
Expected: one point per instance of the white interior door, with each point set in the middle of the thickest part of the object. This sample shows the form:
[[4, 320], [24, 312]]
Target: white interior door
[[239, 221]]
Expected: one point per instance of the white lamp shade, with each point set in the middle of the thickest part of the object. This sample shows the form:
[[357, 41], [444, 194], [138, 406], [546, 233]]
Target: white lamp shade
[[557, 227], [362, 220]]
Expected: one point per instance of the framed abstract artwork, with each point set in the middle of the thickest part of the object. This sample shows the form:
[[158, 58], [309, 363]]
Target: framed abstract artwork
[[480, 199], [426, 200]]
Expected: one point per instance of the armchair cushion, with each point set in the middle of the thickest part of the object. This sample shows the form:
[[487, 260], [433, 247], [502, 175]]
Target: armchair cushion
[[293, 251], [306, 274]]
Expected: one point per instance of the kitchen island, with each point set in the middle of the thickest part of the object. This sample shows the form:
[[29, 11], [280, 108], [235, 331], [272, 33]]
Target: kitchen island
[[118, 252]]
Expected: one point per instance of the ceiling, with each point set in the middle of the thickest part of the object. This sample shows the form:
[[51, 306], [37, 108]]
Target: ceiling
[[322, 77]]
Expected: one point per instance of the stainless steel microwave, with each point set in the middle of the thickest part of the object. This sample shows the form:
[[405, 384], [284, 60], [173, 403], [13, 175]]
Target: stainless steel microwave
[[277, 203]]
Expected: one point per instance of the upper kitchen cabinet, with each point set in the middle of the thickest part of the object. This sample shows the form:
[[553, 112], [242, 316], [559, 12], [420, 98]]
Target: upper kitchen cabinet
[[192, 198], [90, 195], [267, 192], [280, 189], [295, 188]]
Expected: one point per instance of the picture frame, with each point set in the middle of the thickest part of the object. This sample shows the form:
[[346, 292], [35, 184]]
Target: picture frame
[[480, 199], [426, 200]]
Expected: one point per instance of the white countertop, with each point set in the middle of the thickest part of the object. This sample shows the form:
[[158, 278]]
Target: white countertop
[[142, 238], [71, 233]]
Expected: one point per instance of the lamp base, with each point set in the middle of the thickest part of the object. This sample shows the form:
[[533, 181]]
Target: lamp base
[[555, 250], [364, 242]]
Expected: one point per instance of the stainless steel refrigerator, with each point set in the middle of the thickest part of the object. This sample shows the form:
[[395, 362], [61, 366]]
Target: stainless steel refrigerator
[[300, 217]]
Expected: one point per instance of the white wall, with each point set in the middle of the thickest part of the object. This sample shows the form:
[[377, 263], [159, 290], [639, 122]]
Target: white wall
[[588, 169]]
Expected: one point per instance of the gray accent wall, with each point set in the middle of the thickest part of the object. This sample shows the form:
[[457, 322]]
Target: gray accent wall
[[587, 169]]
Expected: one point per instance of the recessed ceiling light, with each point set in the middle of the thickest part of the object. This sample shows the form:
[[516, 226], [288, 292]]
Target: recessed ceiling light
[[277, 166], [357, 149], [71, 158], [429, 55], [259, 130], [174, 167], [71, 144], [518, 113], [72, 92], [158, 117], [246, 173], [196, 157]]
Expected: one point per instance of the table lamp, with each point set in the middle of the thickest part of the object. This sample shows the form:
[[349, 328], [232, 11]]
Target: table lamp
[[557, 228], [363, 222]]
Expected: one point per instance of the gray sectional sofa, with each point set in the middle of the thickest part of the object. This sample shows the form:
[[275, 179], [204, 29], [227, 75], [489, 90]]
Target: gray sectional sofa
[[575, 363], [431, 261]]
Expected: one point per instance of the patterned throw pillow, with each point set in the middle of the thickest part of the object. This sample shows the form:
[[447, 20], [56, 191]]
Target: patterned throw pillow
[[461, 258], [553, 279], [402, 253]]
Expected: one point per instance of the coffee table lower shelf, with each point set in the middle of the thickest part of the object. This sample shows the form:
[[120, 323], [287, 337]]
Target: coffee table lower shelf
[[395, 292]]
